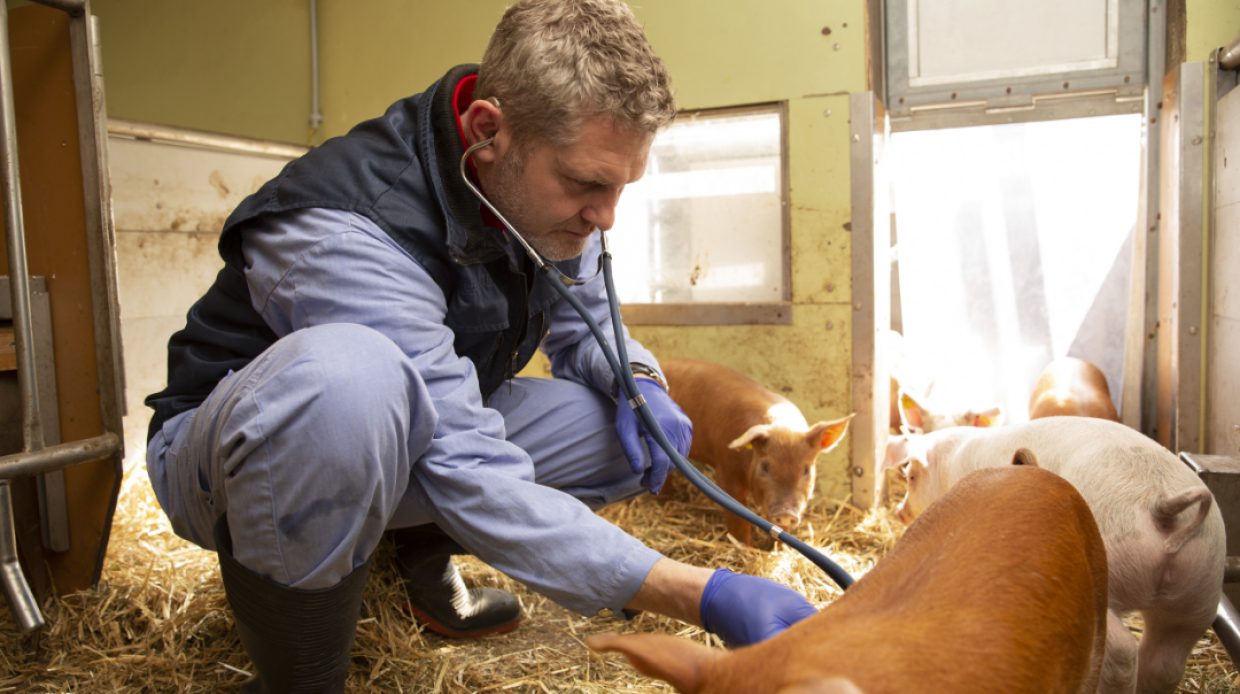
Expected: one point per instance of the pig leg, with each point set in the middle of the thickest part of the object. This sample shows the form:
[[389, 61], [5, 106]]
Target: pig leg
[[835, 685], [1165, 646], [1119, 665], [680, 662], [740, 529]]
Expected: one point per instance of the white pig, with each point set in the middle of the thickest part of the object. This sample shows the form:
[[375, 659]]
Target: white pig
[[1164, 536]]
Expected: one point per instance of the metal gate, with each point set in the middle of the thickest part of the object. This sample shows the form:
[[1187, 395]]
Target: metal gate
[[69, 243]]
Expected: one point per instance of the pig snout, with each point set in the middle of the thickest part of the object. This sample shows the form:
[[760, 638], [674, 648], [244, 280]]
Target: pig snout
[[786, 519], [787, 508]]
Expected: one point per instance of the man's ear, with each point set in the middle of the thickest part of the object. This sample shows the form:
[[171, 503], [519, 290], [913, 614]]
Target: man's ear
[[482, 120]]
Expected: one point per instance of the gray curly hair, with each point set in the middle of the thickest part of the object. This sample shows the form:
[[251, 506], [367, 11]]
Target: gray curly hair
[[553, 64]]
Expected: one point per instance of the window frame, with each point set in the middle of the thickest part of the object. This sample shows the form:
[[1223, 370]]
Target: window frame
[[733, 312], [1071, 92]]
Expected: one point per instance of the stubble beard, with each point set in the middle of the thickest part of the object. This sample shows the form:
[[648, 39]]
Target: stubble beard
[[510, 195]]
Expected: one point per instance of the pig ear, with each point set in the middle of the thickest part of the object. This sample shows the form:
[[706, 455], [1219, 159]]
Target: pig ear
[[897, 452], [826, 435], [757, 432], [679, 662], [912, 415], [1024, 456], [988, 418]]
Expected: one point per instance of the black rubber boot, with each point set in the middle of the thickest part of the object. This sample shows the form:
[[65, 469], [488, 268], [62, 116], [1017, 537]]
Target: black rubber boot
[[299, 640], [438, 596]]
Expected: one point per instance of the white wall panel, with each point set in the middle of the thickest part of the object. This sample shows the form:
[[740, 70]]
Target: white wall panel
[[169, 202], [1223, 351]]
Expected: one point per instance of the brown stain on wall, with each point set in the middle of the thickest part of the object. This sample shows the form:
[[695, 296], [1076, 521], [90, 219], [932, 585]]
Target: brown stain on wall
[[216, 179]]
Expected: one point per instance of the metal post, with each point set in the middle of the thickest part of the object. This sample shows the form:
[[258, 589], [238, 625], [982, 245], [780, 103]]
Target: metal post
[[101, 244], [1156, 54], [19, 280], [316, 115], [1227, 628], [16, 589]]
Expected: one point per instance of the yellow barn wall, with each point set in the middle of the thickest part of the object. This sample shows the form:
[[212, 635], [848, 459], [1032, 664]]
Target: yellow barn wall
[[243, 67], [1211, 24], [378, 51], [232, 66]]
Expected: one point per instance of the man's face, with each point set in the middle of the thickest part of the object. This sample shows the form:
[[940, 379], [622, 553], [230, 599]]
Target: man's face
[[557, 196]]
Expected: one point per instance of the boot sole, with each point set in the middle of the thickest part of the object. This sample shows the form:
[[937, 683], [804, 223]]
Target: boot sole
[[438, 627]]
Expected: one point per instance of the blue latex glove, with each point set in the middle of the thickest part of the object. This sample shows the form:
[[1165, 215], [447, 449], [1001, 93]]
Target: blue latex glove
[[675, 424], [743, 609]]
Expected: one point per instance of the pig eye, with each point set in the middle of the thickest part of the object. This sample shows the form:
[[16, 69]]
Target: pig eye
[[765, 467], [808, 470]]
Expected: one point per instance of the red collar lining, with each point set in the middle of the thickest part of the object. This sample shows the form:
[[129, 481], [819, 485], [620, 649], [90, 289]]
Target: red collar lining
[[462, 97]]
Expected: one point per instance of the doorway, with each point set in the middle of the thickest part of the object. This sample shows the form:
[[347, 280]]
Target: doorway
[[1012, 248]]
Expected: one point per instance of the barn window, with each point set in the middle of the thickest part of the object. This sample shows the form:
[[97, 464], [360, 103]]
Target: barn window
[[956, 62], [703, 236]]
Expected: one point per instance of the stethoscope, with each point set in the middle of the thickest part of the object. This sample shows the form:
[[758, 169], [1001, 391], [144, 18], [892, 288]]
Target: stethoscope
[[561, 282]]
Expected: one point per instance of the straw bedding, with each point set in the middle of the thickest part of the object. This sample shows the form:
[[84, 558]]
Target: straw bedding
[[158, 622]]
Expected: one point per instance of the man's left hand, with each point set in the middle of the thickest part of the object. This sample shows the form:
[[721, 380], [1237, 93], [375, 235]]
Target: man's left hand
[[675, 424]]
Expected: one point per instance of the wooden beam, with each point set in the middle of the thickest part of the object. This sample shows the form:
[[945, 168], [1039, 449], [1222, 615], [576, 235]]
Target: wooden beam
[[8, 349]]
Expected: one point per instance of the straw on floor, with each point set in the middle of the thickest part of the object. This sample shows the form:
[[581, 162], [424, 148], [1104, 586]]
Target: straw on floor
[[158, 622]]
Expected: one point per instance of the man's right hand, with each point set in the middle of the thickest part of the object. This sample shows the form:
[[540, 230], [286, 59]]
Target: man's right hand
[[743, 609]]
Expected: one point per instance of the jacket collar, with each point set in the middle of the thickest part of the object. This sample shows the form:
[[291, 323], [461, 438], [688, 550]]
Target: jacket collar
[[470, 240]]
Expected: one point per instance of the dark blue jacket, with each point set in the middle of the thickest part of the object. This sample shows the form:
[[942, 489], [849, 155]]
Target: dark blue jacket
[[401, 171]]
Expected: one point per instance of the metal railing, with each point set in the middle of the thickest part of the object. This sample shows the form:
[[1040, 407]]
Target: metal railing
[[36, 457], [1229, 57], [119, 127]]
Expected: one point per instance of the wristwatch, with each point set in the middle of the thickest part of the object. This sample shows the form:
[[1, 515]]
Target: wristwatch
[[639, 369]]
